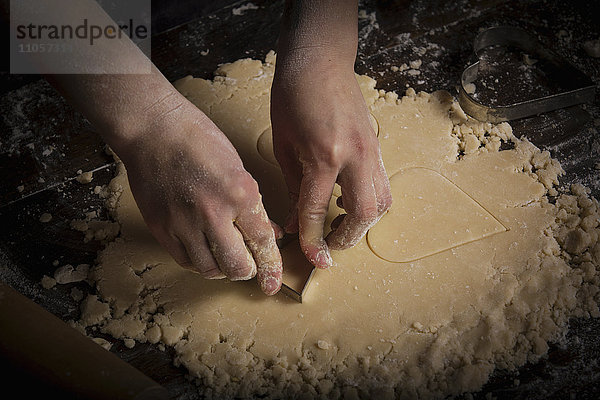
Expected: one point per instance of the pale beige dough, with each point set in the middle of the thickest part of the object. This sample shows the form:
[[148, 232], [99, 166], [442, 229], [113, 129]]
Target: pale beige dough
[[430, 215], [434, 322]]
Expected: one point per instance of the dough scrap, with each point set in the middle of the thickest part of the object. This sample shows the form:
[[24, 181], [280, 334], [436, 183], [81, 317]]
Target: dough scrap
[[369, 328], [69, 274]]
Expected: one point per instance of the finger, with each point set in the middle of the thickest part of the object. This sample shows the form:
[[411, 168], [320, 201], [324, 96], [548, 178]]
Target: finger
[[277, 230], [360, 203], [260, 239], [292, 174], [202, 260], [172, 245], [383, 190], [313, 202], [291, 221], [227, 246]]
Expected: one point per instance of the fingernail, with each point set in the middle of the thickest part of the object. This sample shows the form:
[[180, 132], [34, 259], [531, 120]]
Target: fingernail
[[279, 234], [252, 273], [271, 286], [323, 259]]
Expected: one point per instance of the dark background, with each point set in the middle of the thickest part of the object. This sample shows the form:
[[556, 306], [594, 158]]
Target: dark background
[[34, 119]]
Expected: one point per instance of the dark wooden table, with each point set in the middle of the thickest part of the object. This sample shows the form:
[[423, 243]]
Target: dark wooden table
[[43, 143]]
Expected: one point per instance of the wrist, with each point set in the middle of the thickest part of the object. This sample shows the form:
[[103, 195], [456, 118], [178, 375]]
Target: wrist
[[299, 63], [151, 109], [318, 29], [166, 127]]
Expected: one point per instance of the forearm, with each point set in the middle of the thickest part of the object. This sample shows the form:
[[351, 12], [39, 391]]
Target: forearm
[[108, 79], [322, 27], [120, 106]]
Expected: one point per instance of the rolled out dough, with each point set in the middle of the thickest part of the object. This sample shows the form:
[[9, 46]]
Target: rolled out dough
[[485, 274], [424, 198]]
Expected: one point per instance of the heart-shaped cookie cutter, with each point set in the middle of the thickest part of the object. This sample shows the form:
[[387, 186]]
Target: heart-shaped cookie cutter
[[517, 37]]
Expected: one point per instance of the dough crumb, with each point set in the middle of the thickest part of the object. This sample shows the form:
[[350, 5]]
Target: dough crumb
[[84, 177], [415, 64], [592, 47], [418, 326], [105, 344], [470, 88], [476, 137], [48, 282], [403, 67], [69, 274], [323, 344], [93, 311], [96, 230], [153, 334], [243, 8], [527, 59], [45, 218], [78, 326]]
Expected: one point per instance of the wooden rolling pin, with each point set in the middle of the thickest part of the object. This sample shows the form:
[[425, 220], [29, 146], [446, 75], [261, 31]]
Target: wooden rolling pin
[[61, 359]]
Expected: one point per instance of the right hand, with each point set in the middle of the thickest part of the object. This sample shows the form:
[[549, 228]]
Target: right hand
[[198, 200]]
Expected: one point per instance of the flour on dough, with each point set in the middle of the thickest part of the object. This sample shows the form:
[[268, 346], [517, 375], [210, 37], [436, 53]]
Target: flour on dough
[[432, 323]]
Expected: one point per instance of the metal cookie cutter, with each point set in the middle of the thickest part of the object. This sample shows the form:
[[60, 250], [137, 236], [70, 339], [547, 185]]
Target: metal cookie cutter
[[517, 37], [297, 270]]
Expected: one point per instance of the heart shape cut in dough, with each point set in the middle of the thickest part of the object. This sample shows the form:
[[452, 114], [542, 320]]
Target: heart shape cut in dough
[[430, 214]]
